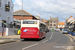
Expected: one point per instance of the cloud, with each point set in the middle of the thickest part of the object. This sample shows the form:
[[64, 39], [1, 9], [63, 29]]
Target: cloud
[[61, 8], [18, 2]]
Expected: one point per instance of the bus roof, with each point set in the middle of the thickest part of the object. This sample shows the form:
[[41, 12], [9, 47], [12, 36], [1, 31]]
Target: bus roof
[[35, 20]]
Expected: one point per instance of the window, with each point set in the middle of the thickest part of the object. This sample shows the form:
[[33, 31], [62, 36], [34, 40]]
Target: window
[[0, 3], [50, 24], [54, 21], [41, 29], [29, 22], [51, 21], [54, 25], [7, 8]]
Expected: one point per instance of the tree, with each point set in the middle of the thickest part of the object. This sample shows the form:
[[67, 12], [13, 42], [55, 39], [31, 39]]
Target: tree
[[48, 21]]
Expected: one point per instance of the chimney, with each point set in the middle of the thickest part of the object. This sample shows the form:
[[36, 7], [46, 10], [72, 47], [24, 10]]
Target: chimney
[[50, 17]]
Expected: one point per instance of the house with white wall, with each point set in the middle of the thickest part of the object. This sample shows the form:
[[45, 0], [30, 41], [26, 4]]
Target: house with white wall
[[61, 25], [6, 11]]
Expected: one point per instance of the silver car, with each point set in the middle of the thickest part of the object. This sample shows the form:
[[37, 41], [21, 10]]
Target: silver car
[[65, 31]]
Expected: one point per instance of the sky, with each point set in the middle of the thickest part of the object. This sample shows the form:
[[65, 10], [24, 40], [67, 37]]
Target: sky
[[61, 8]]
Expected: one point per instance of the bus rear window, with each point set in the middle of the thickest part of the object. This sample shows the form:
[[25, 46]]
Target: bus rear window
[[29, 22]]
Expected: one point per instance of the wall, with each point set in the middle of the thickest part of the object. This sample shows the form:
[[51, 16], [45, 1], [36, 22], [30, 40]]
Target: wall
[[53, 24], [24, 17], [10, 31], [60, 26], [5, 14]]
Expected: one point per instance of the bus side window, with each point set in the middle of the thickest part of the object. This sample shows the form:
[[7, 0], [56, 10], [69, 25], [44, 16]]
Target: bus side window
[[41, 30]]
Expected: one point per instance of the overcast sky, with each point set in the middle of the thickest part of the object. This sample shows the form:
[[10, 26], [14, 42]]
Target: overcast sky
[[61, 8]]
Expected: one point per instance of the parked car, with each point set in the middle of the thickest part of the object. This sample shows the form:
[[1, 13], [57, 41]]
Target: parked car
[[50, 29], [65, 31], [57, 29], [47, 30]]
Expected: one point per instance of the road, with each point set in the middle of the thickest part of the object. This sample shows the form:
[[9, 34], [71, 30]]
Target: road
[[53, 41]]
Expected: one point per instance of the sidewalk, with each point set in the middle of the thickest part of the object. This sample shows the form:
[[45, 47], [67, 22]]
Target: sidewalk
[[73, 37], [8, 39], [11, 36]]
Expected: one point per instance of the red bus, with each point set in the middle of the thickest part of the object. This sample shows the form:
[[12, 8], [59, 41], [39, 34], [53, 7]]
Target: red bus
[[32, 29]]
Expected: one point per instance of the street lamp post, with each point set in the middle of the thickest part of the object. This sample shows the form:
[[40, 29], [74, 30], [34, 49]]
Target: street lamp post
[[3, 30], [22, 4], [22, 11]]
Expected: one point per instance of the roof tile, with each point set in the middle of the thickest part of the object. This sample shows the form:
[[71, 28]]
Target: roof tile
[[21, 12], [61, 23]]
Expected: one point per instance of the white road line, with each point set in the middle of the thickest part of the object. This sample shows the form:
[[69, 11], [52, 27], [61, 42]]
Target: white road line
[[70, 48], [51, 36], [30, 46], [49, 39], [44, 41]]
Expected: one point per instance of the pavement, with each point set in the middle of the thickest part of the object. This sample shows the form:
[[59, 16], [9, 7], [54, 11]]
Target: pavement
[[9, 39], [73, 37], [53, 41], [11, 36], [6, 41]]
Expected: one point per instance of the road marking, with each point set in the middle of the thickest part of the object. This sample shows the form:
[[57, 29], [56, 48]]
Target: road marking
[[70, 48], [30, 46], [44, 41], [51, 36]]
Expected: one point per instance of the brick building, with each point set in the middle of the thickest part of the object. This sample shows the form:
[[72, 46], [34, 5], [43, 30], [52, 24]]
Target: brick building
[[53, 23], [22, 15]]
